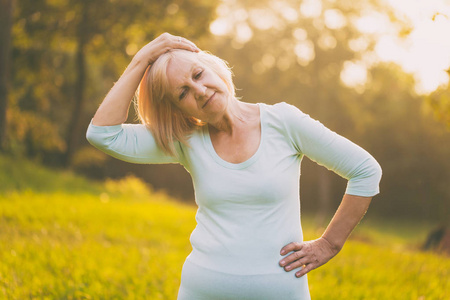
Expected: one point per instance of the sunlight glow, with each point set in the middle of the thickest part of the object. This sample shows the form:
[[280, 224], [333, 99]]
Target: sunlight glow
[[287, 12], [327, 41], [334, 19], [372, 22], [354, 74], [305, 52], [300, 34], [425, 52], [220, 27], [262, 19], [421, 48], [359, 44], [311, 8], [243, 33]]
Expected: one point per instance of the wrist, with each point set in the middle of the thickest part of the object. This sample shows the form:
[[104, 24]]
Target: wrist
[[334, 245], [140, 60]]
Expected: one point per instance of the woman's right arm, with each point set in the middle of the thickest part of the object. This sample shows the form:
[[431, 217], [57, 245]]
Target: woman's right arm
[[115, 106], [132, 142]]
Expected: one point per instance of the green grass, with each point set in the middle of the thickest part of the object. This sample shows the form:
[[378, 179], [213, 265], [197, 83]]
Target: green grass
[[17, 174], [64, 246], [120, 240]]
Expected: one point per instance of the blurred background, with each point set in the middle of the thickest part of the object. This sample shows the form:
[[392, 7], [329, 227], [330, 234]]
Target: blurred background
[[374, 71]]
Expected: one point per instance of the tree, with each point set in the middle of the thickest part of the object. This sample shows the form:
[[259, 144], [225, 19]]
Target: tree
[[439, 102], [412, 147], [6, 11], [94, 20], [67, 55]]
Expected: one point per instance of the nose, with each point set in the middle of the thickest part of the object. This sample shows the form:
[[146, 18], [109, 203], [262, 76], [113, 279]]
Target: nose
[[199, 91]]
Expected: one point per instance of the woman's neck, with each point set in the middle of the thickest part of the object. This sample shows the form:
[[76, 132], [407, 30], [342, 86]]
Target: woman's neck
[[236, 115]]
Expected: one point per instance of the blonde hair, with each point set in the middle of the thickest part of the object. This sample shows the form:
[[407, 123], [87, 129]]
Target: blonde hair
[[154, 108]]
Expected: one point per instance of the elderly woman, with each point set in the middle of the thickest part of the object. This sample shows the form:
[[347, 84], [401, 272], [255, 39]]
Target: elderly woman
[[244, 160]]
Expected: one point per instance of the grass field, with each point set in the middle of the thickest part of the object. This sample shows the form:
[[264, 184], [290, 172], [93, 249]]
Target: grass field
[[62, 237]]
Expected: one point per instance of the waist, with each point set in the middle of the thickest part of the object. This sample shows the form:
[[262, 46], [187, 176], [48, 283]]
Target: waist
[[243, 264], [247, 255]]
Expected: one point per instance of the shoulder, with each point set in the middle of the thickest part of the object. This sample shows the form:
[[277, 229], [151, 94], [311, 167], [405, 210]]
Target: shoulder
[[296, 125], [282, 108], [284, 113]]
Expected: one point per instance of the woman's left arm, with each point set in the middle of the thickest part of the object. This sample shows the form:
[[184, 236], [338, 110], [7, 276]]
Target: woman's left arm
[[338, 154], [313, 254]]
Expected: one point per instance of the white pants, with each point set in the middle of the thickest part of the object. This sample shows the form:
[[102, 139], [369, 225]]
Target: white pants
[[198, 283]]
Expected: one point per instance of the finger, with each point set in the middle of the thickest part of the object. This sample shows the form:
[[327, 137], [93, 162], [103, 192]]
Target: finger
[[296, 264], [184, 43], [190, 43], [304, 270], [296, 255], [291, 247]]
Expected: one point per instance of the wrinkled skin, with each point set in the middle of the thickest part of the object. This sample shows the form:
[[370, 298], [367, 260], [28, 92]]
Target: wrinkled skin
[[310, 255]]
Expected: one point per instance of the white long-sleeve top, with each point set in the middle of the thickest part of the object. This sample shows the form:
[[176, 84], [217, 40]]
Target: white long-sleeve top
[[248, 211]]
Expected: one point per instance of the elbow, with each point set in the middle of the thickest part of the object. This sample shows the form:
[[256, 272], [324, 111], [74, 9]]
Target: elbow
[[374, 174], [90, 137], [377, 171], [93, 138], [372, 170], [366, 180]]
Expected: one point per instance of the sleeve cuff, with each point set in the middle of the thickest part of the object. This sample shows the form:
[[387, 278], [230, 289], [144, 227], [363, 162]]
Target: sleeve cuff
[[104, 129]]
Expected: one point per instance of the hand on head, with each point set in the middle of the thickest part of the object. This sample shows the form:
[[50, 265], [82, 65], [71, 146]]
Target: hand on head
[[164, 43]]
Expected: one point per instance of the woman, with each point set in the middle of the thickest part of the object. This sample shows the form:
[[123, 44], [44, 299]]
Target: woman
[[244, 160]]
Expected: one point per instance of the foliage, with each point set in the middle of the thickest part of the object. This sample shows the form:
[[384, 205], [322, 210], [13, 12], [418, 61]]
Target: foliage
[[439, 102], [19, 175], [395, 126], [88, 157], [48, 37]]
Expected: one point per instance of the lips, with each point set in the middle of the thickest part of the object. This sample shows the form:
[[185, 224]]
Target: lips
[[210, 98]]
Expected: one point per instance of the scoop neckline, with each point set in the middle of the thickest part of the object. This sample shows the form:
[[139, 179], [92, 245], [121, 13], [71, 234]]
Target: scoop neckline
[[241, 165]]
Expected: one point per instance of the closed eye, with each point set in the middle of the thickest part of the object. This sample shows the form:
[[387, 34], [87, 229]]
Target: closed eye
[[183, 94], [198, 75]]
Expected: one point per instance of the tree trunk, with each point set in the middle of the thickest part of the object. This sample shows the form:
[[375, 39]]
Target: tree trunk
[[75, 125], [6, 11]]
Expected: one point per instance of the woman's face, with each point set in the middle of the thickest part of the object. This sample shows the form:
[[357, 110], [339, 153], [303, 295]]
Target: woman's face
[[195, 88]]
